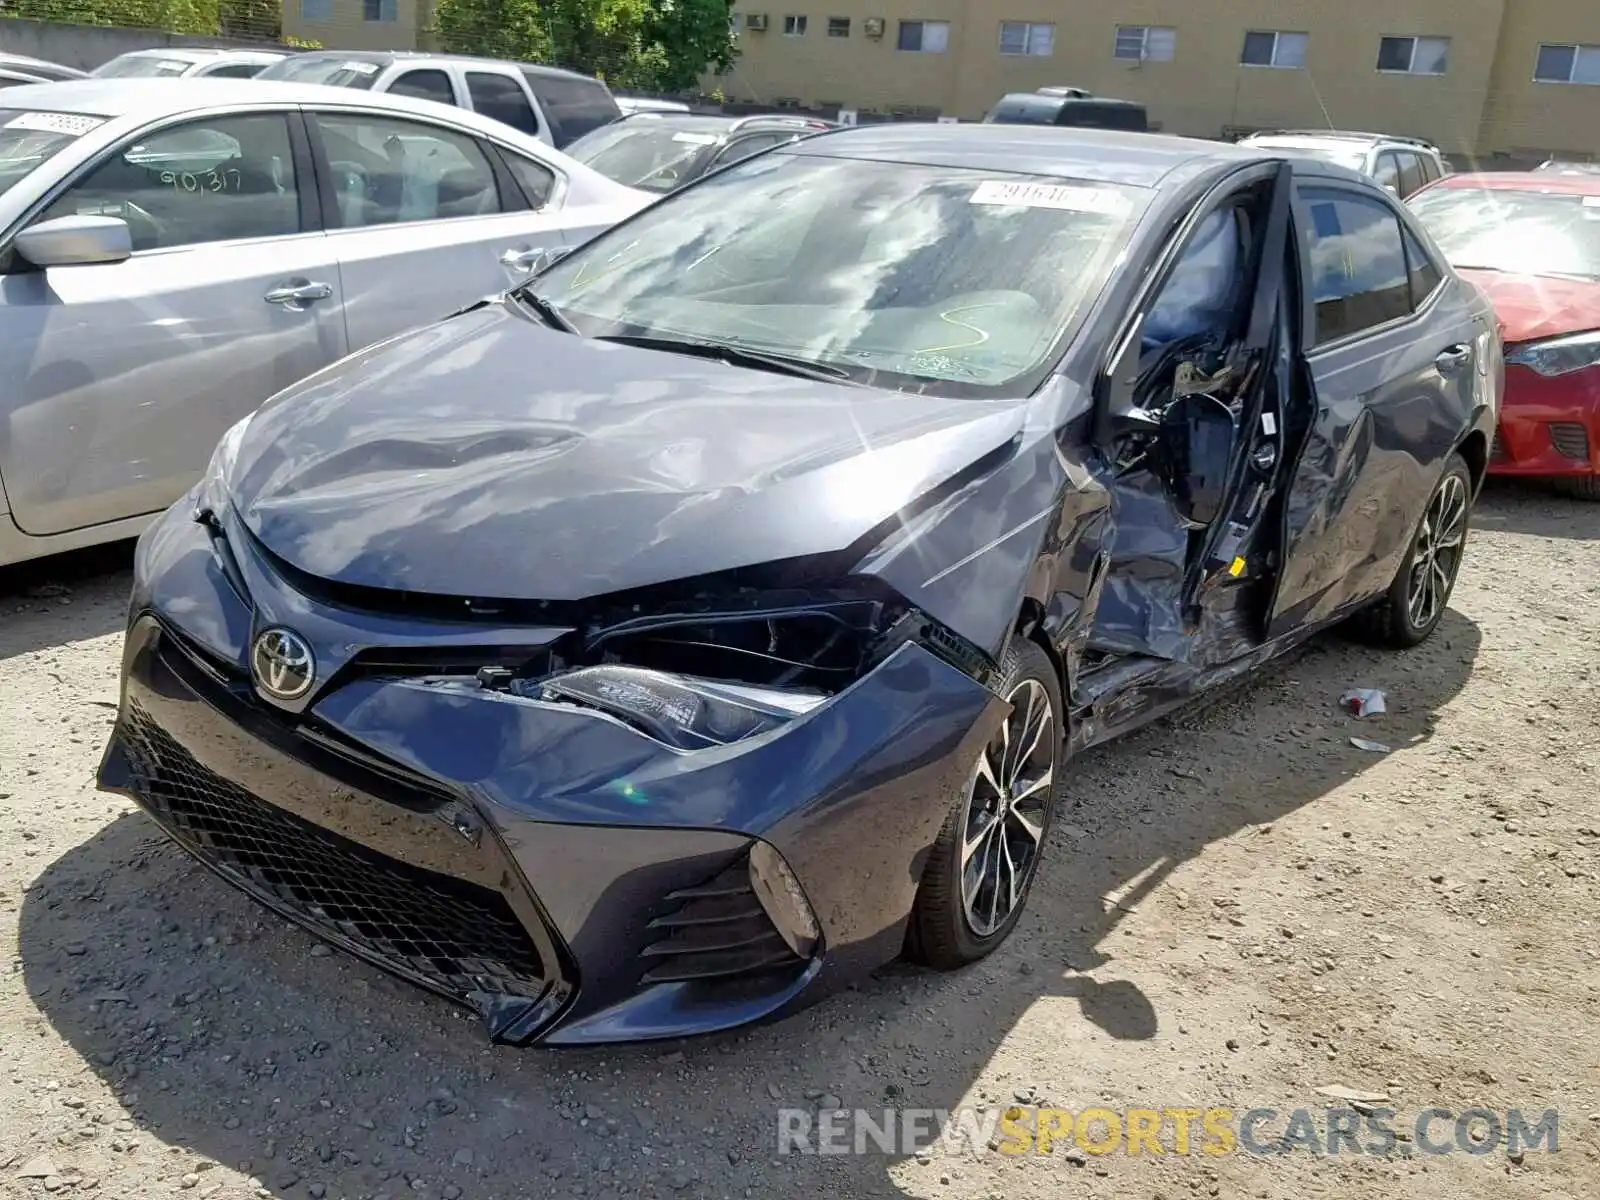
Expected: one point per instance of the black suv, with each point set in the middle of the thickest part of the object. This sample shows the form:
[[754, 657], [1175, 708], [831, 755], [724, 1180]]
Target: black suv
[[660, 152]]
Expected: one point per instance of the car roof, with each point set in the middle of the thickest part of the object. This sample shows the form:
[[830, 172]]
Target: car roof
[[716, 123], [1111, 156], [396, 56], [1324, 136], [202, 53], [23, 61], [152, 98], [1523, 181]]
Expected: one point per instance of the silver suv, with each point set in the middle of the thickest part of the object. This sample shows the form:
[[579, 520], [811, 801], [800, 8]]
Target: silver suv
[[1401, 164]]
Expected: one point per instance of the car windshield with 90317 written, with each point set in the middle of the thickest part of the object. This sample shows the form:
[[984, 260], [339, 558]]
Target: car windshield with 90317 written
[[934, 279]]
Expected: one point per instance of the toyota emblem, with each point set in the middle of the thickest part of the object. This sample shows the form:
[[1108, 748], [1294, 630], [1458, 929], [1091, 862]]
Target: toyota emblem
[[283, 664]]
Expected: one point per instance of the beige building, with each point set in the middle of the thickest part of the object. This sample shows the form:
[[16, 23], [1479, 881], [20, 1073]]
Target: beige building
[[358, 24], [1478, 77]]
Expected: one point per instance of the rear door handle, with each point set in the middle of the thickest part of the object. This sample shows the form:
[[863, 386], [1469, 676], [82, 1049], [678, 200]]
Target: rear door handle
[[1453, 358], [298, 295]]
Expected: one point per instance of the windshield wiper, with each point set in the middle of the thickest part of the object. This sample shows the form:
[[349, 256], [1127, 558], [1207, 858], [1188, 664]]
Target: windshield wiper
[[736, 356], [544, 310]]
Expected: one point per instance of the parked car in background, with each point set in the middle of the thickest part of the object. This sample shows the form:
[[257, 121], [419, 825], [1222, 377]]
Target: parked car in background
[[660, 152], [553, 105], [176, 251], [188, 62], [18, 69], [637, 104], [714, 618], [1401, 165], [1071, 107], [1532, 242]]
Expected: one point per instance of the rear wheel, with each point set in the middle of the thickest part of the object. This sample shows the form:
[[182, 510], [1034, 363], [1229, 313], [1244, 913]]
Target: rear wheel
[[1415, 603], [984, 861], [1580, 487]]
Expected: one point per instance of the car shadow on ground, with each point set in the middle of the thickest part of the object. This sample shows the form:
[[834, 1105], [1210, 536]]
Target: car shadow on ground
[[88, 587], [231, 1037], [1536, 509]]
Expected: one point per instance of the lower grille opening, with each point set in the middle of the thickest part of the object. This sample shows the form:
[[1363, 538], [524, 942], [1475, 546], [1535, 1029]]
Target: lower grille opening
[[1570, 440], [716, 931], [455, 937], [1497, 448]]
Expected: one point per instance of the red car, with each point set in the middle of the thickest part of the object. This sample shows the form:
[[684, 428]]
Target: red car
[[1531, 241]]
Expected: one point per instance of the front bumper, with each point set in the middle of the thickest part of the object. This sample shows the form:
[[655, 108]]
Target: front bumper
[[561, 874], [1548, 426]]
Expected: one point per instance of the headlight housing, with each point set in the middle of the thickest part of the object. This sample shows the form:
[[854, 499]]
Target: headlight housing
[[211, 495], [1558, 356], [682, 711]]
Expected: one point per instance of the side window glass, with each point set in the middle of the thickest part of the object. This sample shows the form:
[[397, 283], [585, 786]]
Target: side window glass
[[424, 85], [498, 96], [387, 171], [536, 180], [1358, 263], [207, 181], [1411, 177], [573, 107], [1425, 274], [1388, 172]]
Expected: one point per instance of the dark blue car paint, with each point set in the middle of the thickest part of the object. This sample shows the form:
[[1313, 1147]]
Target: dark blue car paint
[[572, 470]]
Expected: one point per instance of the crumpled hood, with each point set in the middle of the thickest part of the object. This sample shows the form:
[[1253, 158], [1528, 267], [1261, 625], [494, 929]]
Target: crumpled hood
[[490, 457], [1533, 307]]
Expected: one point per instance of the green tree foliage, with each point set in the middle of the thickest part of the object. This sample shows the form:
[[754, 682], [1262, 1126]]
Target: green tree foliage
[[653, 45], [207, 18]]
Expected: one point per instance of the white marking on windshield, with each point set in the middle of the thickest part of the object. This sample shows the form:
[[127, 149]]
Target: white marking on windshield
[[1007, 194]]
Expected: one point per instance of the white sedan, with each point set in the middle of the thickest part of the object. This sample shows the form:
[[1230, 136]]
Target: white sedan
[[172, 253]]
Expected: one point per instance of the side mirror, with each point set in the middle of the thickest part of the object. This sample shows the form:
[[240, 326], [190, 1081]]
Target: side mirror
[[535, 260], [1198, 435], [75, 241]]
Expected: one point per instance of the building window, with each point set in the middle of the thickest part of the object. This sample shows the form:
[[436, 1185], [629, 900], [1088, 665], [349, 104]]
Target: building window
[[1414, 55], [316, 10], [1025, 37], [794, 26], [1146, 43], [1269, 48], [380, 10], [1567, 63], [925, 37], [838, 26]]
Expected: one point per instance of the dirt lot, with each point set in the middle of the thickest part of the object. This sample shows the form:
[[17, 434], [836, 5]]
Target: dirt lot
[[1242, 908]]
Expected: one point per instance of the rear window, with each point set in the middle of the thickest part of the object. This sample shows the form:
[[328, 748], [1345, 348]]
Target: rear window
[[573, 106], [29, 138], [330, 69]]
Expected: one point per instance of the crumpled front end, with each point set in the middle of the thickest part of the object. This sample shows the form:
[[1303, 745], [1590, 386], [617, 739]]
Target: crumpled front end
[[543, 818]]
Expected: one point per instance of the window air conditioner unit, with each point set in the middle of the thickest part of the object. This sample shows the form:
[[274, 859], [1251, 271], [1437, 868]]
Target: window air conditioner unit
[[756, 22], [872, 27]]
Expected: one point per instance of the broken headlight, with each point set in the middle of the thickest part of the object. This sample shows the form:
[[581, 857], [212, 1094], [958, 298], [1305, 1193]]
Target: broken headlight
[[682, 711]]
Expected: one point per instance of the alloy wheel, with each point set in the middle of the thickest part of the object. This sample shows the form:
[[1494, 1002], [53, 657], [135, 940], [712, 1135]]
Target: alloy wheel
[[1007, 808], [1438, 552]]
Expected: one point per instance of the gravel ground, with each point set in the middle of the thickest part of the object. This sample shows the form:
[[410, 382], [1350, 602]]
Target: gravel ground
[[1241, 908]]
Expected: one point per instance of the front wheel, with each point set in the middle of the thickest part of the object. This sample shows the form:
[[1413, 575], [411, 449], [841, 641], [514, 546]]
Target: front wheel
[[985, 858], [1414, 604]]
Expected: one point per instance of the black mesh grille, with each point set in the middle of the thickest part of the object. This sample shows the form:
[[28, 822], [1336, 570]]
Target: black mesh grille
[[717, 930], [1497, 448], [1570, 440], [456, 937]]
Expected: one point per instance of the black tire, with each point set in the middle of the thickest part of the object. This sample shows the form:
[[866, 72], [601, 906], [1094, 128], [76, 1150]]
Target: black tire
[[1579, 487], [941, 935], [1392, 620]]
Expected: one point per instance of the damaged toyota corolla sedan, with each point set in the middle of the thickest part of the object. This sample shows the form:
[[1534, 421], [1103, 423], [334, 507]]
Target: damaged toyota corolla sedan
[[658, 646]]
